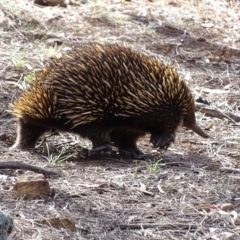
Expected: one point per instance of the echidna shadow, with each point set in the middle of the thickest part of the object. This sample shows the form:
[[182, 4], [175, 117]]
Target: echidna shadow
[[109, 94]]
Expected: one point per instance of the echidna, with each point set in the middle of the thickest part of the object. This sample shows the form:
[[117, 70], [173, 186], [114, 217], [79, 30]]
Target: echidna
[[109, 94]]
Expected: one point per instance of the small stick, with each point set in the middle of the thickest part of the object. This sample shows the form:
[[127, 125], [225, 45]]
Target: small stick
[[24, 166], [213, 112], [172, 226], [230, 170]]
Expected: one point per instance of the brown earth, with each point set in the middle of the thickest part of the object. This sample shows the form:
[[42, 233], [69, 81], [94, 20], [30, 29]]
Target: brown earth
[[179, 197]]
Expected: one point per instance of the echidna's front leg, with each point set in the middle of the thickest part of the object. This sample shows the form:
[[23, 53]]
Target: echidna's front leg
[[125, 140]]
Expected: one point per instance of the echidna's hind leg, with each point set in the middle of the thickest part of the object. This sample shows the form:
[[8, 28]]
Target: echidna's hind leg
[[100, 142], [125, 140], [27, 134]]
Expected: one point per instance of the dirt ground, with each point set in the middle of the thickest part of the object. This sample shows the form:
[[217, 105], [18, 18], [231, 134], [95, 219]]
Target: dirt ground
[[180, 194]]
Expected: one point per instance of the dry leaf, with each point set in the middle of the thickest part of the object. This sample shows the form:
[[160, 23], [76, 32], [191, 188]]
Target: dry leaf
[[227, 216], [234, 215], [28, 66], [226, 207], [160, 188], [143, 189], [207, 25], [223, 235], [181, 52], [103, 185], [100, 185], [209, 126], [59, 223]]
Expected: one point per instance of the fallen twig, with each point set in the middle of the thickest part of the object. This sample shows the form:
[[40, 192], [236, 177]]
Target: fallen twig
[[162, 226], [230, 170], [213, 112], [25, 166]]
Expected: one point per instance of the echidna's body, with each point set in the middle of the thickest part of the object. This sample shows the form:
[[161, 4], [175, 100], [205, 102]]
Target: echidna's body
[[107, 93]]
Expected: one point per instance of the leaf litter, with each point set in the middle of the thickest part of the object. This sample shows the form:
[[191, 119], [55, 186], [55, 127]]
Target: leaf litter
[[193, 192]]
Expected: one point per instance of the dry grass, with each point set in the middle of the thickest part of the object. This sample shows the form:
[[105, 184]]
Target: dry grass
[[173, 198]]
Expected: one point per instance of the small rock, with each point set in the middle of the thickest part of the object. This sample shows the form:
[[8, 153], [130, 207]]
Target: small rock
[[6, 225], [59, 223], [31, 186]]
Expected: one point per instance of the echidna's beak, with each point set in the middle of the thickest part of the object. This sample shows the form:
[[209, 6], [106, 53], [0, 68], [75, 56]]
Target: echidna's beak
[[198, 130]]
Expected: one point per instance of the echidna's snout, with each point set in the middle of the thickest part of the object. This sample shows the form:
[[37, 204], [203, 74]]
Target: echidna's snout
[[162, 141], [190, 122], [194, 127]]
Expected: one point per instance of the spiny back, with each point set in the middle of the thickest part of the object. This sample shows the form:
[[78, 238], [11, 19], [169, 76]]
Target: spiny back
[[102, 81]]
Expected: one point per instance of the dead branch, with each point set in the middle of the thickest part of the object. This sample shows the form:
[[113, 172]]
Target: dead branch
[[24, 166], [230, 170], [213, 112], [162, 226]]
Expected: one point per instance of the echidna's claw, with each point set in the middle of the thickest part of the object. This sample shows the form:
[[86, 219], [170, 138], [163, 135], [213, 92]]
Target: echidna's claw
[[132, 153], [162, 141], [94, 151]]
